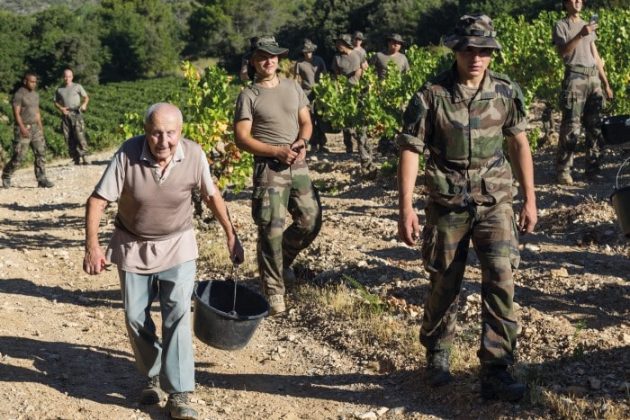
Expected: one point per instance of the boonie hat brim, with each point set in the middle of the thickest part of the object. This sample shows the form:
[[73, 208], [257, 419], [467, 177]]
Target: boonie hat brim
[[459, 42], [270, 49]]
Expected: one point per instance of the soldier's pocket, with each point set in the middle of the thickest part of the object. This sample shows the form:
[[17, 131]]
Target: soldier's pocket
[[515, 255], [261, 206], [568, 100], [429, 248]]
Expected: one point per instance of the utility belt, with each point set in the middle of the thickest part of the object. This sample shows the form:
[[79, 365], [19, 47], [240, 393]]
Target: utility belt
[[587, 71]]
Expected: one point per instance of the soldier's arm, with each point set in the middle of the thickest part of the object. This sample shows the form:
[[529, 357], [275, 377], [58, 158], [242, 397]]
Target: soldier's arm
[[38, 118], [84, 104], [521, 158], [17, 109], [304, 134], [602, 73], [408, 225]]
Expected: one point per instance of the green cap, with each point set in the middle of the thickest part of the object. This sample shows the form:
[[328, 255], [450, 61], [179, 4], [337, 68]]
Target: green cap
[[473, 31]]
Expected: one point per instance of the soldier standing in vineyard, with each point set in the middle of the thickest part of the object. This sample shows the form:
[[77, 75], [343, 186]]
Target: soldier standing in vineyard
[[581, 100], [381, 59], [308, 71], [272, 121], [72, 101], [347, 62], [28, 131], [462, 117], [357, 43], [152, 177]]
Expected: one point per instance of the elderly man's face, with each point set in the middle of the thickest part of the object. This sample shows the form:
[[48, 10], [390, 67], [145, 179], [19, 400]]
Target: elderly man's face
[[163, 134]]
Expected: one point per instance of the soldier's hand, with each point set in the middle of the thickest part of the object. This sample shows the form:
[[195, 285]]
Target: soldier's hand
[[587, 29], [528, 218], [299, 146], [408, 226], [286, 155]]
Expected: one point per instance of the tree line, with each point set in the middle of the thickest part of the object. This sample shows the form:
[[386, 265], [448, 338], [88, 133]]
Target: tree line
[[114, 40]]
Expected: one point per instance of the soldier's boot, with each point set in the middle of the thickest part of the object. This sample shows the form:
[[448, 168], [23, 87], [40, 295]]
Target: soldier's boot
[[86, 160], [564, 177], [45, 183], [498, 384], [152, 393], [178, 406], [438, 367], [276, 304], [6, 182]]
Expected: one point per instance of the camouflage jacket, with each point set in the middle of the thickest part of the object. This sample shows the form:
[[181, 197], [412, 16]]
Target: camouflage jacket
[[464, 137]]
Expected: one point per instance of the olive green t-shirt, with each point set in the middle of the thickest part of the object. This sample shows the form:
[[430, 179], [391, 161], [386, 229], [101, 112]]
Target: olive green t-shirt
[[70, 96], [272, 111], [28, 101], [564, 31]]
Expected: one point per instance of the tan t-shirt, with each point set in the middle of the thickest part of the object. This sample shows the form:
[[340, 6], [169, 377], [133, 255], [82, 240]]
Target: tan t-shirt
[[143, 244], [310, 72], [347, 65], [381, 59], [70, 96], [28, 101], [272, 111], [564, 31]]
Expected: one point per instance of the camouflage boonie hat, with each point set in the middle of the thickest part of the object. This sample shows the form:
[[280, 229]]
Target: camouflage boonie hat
[[269, 45], [308, 46], [395, 38], [358, 35], [346, 40], [473, 31]]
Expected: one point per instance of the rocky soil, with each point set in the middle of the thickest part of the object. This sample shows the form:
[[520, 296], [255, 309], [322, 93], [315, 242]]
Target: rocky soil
[[64, 351]]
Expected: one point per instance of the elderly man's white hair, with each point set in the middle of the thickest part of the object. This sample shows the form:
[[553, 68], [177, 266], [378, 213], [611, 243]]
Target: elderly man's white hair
[[148, 116]]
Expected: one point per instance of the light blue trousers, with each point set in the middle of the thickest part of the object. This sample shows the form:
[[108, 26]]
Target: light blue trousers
[[172, 357]]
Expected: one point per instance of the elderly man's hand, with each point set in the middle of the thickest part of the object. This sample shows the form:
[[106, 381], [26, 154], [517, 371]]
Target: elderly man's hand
[[237, 254], [94, 261]]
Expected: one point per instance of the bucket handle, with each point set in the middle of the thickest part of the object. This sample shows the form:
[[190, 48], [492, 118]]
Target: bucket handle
[[625, 162], [235, 280]]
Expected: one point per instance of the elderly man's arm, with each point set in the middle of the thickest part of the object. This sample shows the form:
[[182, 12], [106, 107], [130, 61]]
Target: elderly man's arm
[[217, 205], [521, 158], [94, 260]]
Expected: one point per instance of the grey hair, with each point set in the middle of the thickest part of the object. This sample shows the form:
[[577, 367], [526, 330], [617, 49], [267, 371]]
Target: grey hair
[[148, 116]]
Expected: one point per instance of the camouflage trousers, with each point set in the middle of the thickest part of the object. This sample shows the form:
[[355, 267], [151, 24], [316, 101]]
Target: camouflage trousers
[[20, 148], [363, 145], [279, 189], [581, 104], [73, 128], [446, 239]]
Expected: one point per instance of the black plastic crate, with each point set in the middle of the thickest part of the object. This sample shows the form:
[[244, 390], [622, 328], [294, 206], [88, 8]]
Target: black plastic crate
[[616, 129]]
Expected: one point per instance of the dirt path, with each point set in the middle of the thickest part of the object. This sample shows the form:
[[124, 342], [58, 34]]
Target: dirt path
[[64, 351]]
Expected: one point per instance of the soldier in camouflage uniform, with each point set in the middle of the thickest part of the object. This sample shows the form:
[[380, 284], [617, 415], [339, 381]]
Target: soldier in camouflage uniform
[[72, 101], [581, 99], [272, 122], [462, 117], [28, 131]]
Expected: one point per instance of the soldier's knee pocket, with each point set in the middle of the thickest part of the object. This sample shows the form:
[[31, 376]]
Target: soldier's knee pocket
[[261, 206], [429, 248]]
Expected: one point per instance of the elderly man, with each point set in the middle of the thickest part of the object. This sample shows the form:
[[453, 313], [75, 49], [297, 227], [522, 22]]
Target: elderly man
[[28, 131], [308, 71], [462, 117], [72, 100], [272, 122], [153, 244], [381, 59]]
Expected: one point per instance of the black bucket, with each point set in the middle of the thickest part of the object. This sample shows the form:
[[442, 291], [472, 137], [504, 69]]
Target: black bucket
[[621, 203], [226, 313]]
